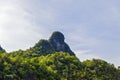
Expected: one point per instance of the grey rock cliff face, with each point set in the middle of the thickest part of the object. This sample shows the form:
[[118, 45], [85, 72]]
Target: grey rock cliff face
[[56, 43], [57, 40]]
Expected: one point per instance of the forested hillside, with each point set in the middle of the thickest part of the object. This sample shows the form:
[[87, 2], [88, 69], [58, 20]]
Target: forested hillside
[[53, 60]]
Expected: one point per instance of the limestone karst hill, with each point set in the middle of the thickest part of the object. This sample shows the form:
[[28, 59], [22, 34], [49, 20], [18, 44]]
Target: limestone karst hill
[[53, 59], [56, 43]]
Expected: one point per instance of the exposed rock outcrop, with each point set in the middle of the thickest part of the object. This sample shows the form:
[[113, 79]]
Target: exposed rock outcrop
[[1, 49], [56, 43]]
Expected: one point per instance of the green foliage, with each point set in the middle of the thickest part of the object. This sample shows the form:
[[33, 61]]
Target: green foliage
[[43, 47], [44, 61], [58, 66]]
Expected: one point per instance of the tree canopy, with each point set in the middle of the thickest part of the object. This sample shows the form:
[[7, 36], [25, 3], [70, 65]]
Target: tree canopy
[[56, 66]]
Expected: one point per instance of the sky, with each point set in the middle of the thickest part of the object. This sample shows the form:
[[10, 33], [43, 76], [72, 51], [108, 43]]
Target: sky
[[91, 27]]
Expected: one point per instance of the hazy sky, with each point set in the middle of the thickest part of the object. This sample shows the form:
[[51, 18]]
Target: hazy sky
[[91, 27]]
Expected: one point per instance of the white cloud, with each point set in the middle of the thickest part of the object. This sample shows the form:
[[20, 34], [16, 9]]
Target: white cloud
[[23, 24], [86, 54], [16, 31], [83, 55], [86, 24]]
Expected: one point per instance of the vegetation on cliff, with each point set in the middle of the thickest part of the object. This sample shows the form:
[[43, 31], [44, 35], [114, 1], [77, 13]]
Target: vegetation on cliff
[[53, 60]]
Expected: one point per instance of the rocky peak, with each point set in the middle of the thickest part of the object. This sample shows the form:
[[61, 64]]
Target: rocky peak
[[1, 49], [55, 43], [57, 37]]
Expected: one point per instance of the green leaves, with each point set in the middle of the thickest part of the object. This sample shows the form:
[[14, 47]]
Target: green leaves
[[56, 66]]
